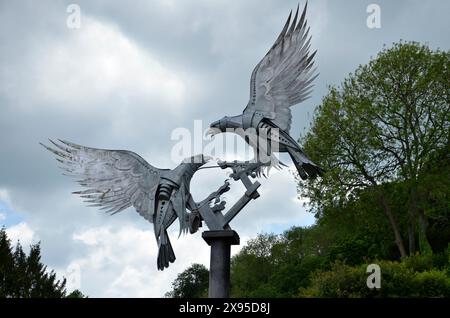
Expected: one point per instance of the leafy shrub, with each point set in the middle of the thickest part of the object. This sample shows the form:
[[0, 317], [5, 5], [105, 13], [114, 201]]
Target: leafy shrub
[[415, 277], [341, 281], [432, 284], [419, 263]]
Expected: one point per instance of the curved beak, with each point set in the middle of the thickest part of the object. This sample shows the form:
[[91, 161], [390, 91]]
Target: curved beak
[[211, 132], [199, 160], [213, 129], [206, 159]]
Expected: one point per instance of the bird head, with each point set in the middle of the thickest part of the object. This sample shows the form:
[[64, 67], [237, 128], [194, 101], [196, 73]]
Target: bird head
[[186, 169], [197, 161], [192, 164], [220, 126]]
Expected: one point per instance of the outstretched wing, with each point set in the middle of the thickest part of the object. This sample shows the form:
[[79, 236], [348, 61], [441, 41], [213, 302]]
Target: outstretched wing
[[283, 77], [115, 179]]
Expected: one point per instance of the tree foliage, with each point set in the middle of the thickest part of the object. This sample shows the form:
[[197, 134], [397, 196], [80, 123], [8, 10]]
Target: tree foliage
[[383, 138], [191, 283], [384, 125], [398, 279], [295, 264], [24, 276]]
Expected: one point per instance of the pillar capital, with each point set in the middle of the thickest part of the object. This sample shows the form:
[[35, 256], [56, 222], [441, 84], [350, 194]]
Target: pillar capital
[[228, 236]]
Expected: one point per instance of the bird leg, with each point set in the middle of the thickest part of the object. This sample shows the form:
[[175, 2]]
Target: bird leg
[[206, 211], [194, 221], [218, 205], [249, 168]]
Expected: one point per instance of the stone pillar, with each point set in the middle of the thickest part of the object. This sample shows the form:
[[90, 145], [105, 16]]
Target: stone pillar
[[219, 268]]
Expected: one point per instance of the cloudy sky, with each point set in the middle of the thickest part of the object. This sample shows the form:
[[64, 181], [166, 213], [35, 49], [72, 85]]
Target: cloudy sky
[[132, 73]]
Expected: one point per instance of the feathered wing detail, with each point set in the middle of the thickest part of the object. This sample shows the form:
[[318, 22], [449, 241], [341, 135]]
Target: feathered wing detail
[[115, 179], [284, 76]]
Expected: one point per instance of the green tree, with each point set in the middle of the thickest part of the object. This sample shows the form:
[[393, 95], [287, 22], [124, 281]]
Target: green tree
[[434, 198], [277, 265], [76, 294], [191, 283], [383, 125], [23, 276], [6, 264], [252, 267]]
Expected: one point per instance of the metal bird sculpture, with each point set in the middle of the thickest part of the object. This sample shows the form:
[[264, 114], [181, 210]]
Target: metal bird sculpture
[[118, 179], [280, 80]]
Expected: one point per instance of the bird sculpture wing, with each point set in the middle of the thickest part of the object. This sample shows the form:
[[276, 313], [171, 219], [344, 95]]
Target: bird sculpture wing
[[284, 76], [114, 179]]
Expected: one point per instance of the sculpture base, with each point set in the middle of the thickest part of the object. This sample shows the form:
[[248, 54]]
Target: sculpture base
[[219, 268]]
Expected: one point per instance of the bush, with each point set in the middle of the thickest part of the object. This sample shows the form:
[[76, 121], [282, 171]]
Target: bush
[[341, 281], [264, 291], [420, 263], [396, 280], [432, 284], [412, 278]]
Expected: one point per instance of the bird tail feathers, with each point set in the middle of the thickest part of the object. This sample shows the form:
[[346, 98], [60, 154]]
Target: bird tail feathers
[[165, 252], [305, 167]]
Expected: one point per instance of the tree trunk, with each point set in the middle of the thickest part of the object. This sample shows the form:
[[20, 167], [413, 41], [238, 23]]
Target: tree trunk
[[424, 245], [416, 213], [411, 236], [392, 221], [423, 223]]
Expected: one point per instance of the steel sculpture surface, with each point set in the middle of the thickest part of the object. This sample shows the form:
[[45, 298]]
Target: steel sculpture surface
[[119, 179], [280, 80], [115, 180]]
